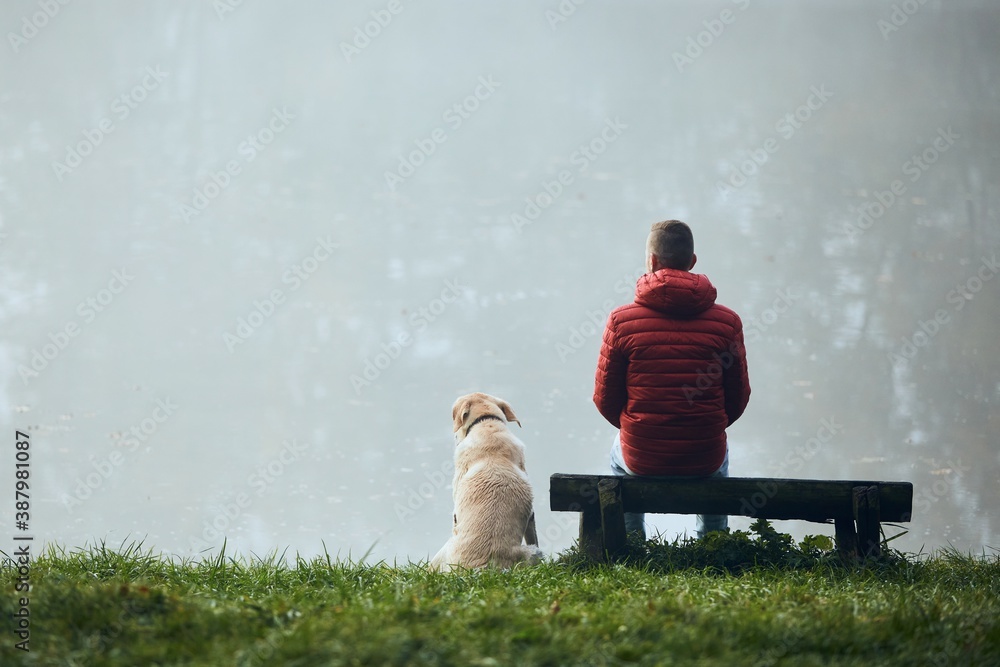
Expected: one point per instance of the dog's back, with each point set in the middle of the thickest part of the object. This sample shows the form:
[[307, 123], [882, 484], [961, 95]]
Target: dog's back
[[493, 498]]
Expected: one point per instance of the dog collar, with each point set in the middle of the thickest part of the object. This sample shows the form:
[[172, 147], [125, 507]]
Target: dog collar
[[479, 419]]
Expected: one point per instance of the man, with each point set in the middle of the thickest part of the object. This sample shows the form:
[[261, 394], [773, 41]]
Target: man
[[672, 374]]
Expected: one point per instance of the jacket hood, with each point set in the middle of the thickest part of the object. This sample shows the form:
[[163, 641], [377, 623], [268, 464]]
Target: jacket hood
[[673, 292]]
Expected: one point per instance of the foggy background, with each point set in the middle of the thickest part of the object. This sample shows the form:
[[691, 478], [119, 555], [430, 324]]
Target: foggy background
[[250, 253]]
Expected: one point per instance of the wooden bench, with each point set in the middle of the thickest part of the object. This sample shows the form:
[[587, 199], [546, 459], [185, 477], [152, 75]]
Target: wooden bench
[[856, 508]]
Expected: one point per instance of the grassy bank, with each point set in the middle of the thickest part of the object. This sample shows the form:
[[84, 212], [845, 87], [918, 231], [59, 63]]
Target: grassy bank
[[129, 607]]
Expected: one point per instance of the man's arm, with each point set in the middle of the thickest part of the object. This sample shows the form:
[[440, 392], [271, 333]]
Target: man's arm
[[735, 380], [610, 394]]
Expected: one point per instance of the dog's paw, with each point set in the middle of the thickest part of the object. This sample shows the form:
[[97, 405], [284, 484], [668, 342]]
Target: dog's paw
[[534, 555]]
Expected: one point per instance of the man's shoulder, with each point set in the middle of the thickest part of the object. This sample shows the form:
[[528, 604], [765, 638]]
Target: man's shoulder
[[627, 311], [726, 312], [625, 307], [726, 317], [715, 311], [633, 318]]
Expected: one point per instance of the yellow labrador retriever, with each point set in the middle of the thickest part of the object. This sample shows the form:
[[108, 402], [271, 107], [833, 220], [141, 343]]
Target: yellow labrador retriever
[[491, 490]]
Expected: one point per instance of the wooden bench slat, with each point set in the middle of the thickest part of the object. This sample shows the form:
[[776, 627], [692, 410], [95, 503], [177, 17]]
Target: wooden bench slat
[[805, 499]]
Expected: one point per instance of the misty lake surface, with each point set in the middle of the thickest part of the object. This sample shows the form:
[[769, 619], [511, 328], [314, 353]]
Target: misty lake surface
[[250, 253]]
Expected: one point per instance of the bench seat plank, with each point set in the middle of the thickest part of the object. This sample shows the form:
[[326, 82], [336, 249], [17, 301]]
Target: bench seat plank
[[766, 498]]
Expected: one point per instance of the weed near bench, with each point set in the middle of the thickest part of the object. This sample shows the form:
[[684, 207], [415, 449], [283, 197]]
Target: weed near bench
[[731, 551]]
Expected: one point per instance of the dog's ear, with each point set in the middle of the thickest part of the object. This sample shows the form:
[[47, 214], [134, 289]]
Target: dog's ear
[[508, 412], [460, 412]]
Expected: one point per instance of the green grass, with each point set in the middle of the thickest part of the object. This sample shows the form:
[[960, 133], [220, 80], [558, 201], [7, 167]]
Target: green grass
[[668, 605]]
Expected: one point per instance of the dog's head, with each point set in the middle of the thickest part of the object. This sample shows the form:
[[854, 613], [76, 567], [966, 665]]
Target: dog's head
[[469, 408]]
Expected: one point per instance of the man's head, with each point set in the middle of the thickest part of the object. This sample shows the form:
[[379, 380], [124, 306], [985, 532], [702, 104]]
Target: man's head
[[670, 245]]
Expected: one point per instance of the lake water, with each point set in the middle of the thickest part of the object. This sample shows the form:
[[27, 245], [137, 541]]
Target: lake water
[[251, 253]]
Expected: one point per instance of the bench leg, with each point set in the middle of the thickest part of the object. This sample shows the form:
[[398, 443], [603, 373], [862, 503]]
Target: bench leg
[[612, 517], [866, 511], [591, 534], [602, 524], [847, 538]]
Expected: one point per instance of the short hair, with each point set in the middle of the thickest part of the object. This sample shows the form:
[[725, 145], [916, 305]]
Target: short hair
[[673, 244]]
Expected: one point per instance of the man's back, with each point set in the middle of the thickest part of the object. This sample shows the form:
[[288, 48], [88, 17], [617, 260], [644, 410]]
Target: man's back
[[672, 375]]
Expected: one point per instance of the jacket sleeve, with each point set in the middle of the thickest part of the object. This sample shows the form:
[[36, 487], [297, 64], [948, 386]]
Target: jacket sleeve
[[610, 393], [735, 380]]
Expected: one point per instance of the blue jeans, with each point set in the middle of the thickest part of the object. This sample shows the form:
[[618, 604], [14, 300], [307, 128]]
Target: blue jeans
[[635, 522]]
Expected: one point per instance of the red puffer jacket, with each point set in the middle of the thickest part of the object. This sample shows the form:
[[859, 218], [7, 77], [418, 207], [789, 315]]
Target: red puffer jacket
[[672, 375]]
